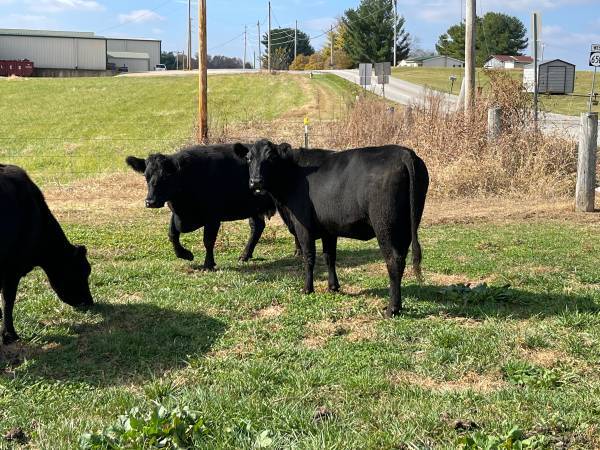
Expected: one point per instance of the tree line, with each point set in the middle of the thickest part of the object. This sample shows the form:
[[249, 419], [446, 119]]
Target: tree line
[[365, 34]]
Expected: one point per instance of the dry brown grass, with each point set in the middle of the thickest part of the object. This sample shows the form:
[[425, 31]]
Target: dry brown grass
[[462, 162], [354, 329], [471, 381]]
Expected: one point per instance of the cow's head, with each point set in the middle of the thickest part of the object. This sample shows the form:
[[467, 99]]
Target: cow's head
[[159, 171], [69, 277], [265, 161]]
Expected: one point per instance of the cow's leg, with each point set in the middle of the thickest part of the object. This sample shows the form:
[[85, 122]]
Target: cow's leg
[[257, 226], [298, 250], [307, 242], [180, 251], [9, 294], [394, 251], [210, 237], [329, 252]]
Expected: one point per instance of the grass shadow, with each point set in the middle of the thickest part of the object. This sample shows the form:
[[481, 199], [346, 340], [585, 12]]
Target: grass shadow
[[130, 342], [519, 304]]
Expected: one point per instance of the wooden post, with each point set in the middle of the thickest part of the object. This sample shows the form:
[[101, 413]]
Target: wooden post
[[494, 123], [470, 56], [586, 166], [269, 42], [202, 74]]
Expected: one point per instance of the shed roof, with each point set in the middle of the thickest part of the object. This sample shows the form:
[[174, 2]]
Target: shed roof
[[512, 58], [127, 55], [548, 61], [427, 58]]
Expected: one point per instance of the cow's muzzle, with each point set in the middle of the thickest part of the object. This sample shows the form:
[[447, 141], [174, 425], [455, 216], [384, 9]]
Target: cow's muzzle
[[154, 204], [256, 186]]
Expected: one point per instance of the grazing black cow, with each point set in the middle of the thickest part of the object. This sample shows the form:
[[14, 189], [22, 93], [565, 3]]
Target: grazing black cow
[[204, 186], [31, 237], [361, 194]]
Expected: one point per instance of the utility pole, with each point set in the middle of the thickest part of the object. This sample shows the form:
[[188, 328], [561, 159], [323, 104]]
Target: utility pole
[[296, 40], [535, 19], [177, 61], [202, 74], [245, 44], [189, 51], [470, 56], [269, 41], [254, 66], [331, 37], [259, 47], [394, 48]]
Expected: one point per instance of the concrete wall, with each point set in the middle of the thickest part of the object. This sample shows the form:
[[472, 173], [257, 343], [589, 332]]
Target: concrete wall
[[55, 52], [127, 45]]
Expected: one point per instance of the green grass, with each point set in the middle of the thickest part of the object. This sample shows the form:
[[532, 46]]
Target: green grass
[[165, 332], [94, 122], [260, 363], [438, 79]]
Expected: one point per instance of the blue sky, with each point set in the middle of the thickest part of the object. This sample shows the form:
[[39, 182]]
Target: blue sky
[[569, 26]]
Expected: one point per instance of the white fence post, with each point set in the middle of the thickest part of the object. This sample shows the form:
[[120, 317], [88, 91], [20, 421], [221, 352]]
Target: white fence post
[[494, 123], [585, 194]]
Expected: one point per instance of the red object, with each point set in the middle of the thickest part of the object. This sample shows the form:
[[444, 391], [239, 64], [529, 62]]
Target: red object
[[23, 68]]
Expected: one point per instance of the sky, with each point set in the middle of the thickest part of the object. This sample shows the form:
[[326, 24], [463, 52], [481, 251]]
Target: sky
[[569, 27]]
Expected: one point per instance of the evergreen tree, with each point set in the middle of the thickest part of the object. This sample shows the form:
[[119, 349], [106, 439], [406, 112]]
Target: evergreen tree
[[497, 34], [369, 32], [282, 45]]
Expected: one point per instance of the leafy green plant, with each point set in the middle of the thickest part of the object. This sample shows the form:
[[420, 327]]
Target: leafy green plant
[[161, 428], [525, 374], [480, 293], [516, 439]]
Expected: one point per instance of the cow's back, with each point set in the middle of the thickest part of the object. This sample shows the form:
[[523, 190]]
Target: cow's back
[[22, 211], [215, 185]]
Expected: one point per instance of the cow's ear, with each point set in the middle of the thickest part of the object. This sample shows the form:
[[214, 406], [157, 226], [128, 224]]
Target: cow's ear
[[240, 150], [137, 164], [284, 150]]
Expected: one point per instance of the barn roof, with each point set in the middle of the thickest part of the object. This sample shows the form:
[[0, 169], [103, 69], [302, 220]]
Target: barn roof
[[512, 58]]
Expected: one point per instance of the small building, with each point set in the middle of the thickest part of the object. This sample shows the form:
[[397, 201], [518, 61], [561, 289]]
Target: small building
[[69, 53], [508, 62], [554, 77], [432, 61]]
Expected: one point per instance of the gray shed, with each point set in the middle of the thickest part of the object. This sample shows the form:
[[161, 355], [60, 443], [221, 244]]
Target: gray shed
[[554, 77]]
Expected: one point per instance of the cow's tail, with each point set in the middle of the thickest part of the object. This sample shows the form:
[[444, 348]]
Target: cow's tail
[[417, 253]]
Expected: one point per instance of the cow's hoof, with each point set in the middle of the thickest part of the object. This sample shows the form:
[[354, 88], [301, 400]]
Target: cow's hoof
[[9, 338], [308, 291], [334, 288], [245, 258], [390, 313], [185, 254], [209, 268]]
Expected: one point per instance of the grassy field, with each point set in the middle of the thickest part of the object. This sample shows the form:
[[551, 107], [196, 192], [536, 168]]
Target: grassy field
[[70, 128], [500, 342], [438, 79]]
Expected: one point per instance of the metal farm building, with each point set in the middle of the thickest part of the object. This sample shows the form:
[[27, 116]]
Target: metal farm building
[[65, 53]]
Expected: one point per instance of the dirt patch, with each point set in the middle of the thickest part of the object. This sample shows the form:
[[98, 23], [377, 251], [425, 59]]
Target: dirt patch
[[270, 312], [106, 199], [442, 279], [502, 210], [471, 381], [355, 329], [546, 357], [466, 322]]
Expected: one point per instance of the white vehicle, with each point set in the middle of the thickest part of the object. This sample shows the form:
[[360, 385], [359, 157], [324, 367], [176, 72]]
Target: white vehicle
[[160, 67]]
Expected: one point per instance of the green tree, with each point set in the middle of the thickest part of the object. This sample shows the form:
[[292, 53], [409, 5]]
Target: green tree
[[369, 30], [282, 45], [497, 34], [168, 59]]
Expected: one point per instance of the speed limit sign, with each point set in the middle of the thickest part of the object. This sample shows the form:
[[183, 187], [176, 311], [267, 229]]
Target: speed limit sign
[[595, 59]]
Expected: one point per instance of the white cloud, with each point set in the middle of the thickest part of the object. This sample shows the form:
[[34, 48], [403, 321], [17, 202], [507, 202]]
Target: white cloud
[[55, 6], [140, 16]]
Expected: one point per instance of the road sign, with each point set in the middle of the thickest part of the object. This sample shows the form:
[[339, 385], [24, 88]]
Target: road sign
[[366, 72], [595, 59], [384, 68], [383, 79], [595, 48]]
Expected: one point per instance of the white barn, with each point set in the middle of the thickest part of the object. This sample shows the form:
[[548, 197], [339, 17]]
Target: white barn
[[507, 62], [69, 53]]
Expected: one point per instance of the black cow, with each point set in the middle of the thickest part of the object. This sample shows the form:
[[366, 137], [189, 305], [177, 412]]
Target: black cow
[[361, 194], [204, 186], [30, 237]]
